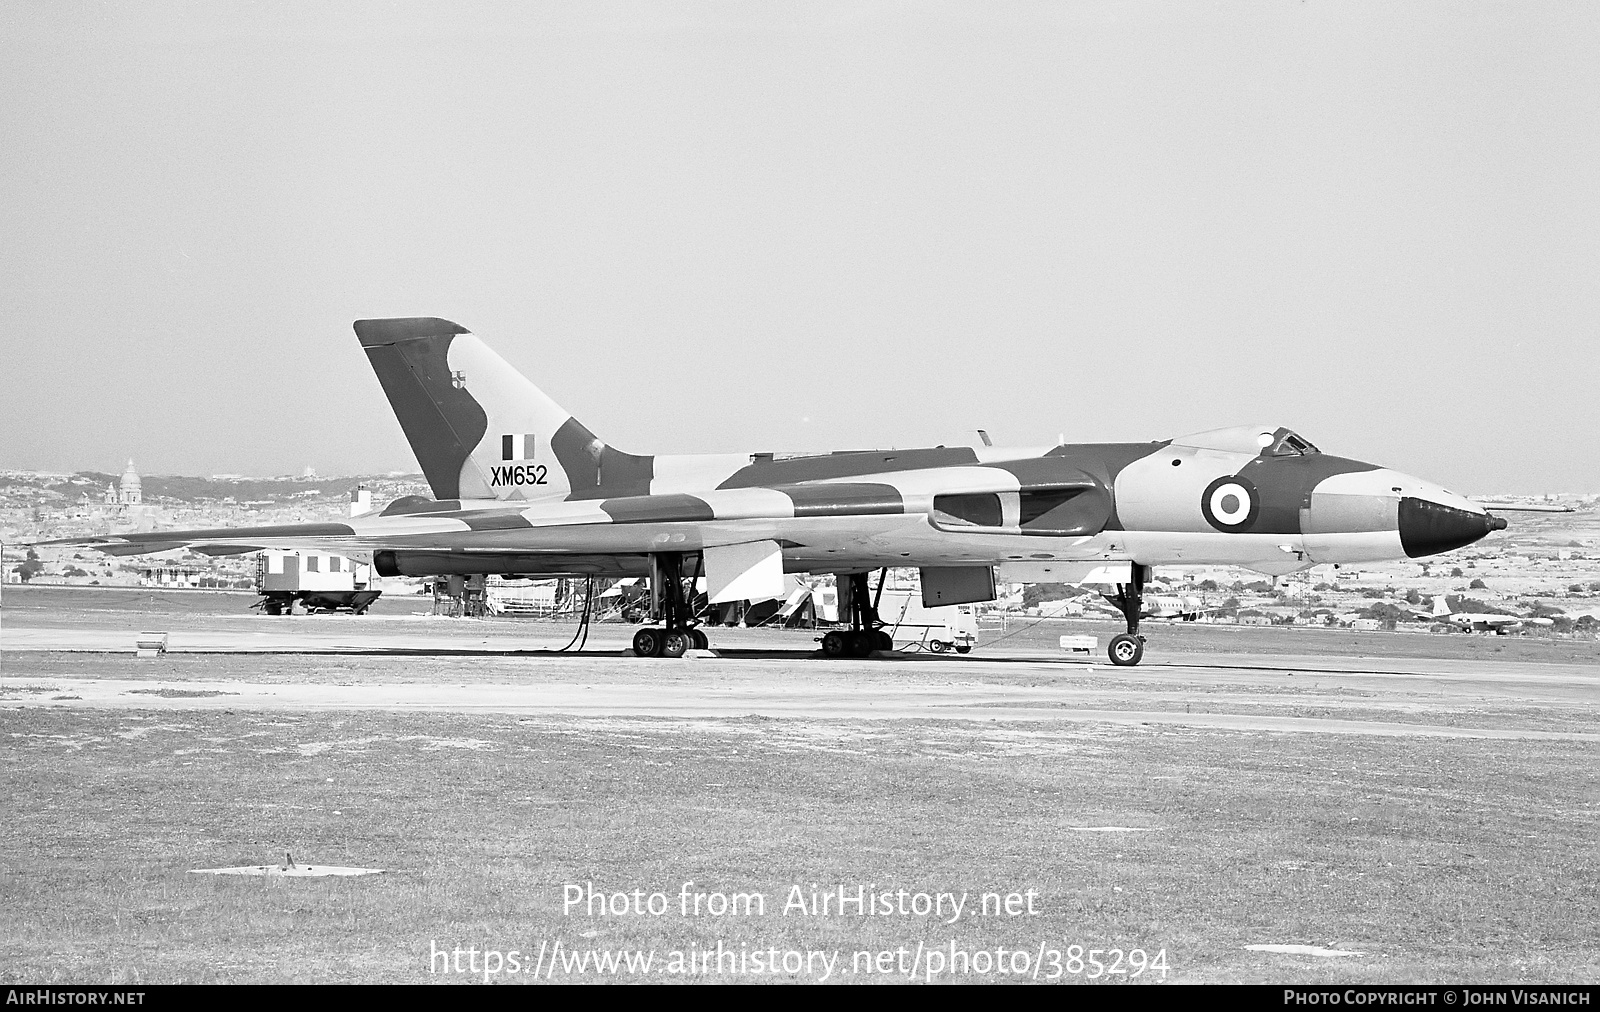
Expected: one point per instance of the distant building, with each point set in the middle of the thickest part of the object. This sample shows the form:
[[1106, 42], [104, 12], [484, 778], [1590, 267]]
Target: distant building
[[131, 492], [125, 507]]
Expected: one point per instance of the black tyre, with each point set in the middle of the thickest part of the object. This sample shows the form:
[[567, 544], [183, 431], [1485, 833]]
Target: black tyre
[[1125, 650], [676, 643], [647, 642], [885, 640], [938, 646], [962, 648], [701, 642], [835, 644]]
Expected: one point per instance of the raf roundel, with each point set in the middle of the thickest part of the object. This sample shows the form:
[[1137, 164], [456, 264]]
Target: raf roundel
[[1230, 504]]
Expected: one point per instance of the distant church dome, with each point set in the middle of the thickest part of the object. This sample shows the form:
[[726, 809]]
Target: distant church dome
[[132, 488]]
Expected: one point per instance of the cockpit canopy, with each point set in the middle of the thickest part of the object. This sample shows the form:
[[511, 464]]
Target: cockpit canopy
[[1267, 440]]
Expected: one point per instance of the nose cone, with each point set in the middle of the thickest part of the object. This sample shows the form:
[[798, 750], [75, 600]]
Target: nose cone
[[1428, 528], [1374, 513]]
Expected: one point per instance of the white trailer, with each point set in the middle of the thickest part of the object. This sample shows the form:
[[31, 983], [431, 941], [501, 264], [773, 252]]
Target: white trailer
[[909, 621], [319, 581]]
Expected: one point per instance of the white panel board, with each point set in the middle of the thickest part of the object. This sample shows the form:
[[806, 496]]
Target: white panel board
[[747, 572], [1066, 572]]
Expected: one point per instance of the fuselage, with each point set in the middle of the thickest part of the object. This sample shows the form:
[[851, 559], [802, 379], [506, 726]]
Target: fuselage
[[1252, 496], [521, 486]]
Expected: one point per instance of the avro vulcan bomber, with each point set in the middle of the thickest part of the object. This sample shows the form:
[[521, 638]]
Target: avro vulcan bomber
[[520, 487]]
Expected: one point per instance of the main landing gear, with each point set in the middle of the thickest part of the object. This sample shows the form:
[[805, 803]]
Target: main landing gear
[[866, 632], [673, 609], [1127, 648]]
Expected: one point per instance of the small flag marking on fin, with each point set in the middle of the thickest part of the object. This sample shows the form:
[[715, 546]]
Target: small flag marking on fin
[[518, 447]]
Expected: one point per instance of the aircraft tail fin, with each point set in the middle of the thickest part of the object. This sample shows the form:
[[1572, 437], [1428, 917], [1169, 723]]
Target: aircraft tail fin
[[479, 428], [1441, 607]]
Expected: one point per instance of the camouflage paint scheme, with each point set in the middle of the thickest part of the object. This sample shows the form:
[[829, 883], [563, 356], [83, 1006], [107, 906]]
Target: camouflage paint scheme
[[522, 487]]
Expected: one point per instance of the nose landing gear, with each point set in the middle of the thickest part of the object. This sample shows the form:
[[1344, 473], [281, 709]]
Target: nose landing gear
[[1127, 649]]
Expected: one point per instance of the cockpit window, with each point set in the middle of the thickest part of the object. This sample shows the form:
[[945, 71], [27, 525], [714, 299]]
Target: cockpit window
[[1289, 444]]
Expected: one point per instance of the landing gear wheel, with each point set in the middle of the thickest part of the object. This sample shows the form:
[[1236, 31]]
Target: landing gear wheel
[[1125, 650], [675, 644], [647, 642], [885, 640], [863, 642], [700, 640], [938, 646], [834, 644], [962, 648]]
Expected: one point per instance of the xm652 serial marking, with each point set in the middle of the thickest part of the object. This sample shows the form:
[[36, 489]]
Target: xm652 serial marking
[[518, 474]]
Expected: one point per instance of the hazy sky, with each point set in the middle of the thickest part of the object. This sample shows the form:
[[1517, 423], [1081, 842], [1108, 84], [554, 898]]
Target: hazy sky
[[737, 226]]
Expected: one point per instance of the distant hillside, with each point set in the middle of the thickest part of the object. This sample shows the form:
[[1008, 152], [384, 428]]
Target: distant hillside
[[182, 488]]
